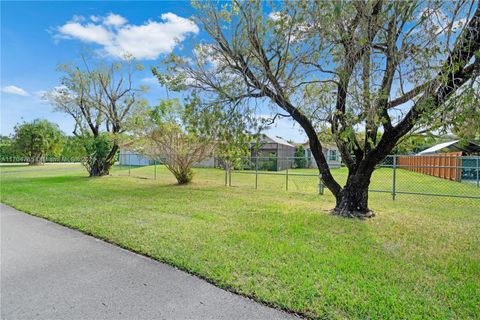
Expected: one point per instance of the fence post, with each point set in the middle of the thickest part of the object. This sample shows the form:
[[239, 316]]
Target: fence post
[[320, 184], [155, 169], [226, 175], [256, 173], [286, 180], [478, 175], [229, 177], [129, 164], [394, 184]]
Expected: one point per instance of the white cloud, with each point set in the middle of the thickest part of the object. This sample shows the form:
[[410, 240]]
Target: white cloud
[[275, 15], [114, 20], [118, 39], [77, 18], [150, 80], [15, 90], [95, 18], [87, 33]]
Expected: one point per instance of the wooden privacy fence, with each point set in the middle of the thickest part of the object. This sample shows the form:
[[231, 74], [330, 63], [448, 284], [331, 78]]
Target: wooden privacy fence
[[442, 165]]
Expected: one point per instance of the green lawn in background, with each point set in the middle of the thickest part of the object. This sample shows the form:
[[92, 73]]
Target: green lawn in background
[[21, 167], [418, 258], [406, 181]]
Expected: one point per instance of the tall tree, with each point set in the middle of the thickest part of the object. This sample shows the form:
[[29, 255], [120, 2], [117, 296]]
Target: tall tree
[[371, 66], [36, 140], [102, 100]]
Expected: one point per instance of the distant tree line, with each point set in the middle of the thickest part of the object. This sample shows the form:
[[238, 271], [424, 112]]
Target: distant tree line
[[40, 141]]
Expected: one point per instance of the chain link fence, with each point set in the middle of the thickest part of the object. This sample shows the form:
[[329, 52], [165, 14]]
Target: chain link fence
[[433, 175], [143, 167], [289, 174]]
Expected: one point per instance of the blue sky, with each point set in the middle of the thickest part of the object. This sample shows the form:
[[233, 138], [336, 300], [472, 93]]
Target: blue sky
[[37, 36]]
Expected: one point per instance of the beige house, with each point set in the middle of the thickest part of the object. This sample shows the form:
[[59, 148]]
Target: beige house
[[331, 154]]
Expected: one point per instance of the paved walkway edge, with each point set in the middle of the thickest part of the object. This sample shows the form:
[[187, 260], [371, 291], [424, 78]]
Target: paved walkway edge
[[22, 240]]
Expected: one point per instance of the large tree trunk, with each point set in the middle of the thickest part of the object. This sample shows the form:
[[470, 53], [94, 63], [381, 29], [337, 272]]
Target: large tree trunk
[[98, 171], [352, 200], [35, 160], [101, 167]]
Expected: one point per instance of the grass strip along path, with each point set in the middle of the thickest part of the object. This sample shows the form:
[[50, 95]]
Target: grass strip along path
[[418, 258]]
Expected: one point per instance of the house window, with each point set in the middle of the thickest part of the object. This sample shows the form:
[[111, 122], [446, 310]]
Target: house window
[[332, 155]]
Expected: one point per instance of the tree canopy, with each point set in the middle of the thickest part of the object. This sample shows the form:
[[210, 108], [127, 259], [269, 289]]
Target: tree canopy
[[36, 140], [103, 101], [389, 67]]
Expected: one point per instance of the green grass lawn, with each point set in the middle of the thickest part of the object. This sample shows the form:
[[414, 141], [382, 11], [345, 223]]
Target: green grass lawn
[[47, 166], [382, 180], [418, 258]]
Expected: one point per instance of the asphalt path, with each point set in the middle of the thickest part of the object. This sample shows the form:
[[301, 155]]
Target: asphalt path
[[52, 272]]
